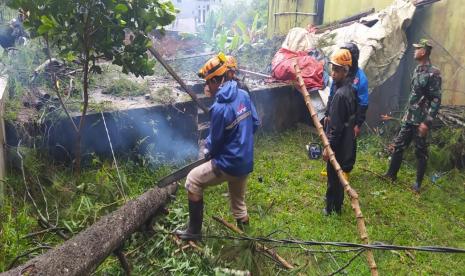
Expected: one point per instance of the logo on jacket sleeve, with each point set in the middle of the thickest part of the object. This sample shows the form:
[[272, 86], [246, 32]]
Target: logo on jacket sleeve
[[241, 114], [241, 109]]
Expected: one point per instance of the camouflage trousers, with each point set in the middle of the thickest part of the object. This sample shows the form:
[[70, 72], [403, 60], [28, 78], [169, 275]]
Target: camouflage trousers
[[407, 133]]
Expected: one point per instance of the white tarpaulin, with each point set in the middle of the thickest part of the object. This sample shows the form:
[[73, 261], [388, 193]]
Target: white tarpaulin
[[381, 46]]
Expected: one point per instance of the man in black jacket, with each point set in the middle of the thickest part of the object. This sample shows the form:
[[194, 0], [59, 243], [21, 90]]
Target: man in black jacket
[[340, 128]]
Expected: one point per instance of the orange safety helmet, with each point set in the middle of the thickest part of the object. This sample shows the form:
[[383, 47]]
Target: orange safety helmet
[[341, 57], [216, 66], [231, 63]]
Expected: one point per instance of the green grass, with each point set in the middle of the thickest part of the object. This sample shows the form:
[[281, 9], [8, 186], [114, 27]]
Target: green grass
[[286, 204], [291, 197], [125, 87]]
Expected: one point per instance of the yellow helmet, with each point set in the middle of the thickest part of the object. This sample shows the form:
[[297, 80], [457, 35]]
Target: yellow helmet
[[231, 63], [341, 57], [216, 66]]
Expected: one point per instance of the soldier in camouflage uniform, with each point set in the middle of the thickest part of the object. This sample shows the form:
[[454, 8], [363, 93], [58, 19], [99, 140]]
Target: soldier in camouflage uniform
[[423, 105]]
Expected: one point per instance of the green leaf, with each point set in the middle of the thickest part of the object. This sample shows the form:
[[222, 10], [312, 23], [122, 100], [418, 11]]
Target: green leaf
[[221, 41], [234, 43], [43, 29], [243, 28], [70, 57], [46, 21], [255, 22], [121, 8]]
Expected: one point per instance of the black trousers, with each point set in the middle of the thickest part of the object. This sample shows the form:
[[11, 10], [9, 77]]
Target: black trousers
[[406, 134], [334, 191]]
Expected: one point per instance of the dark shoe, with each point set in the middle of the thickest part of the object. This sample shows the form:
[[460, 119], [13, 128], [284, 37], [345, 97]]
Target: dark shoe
[[186, 235], [392, 178], [325, 212], [194, 230], [243, 224], [394, 166], [416, 187]]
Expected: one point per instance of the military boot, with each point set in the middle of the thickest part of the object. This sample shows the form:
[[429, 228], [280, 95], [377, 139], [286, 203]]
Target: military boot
[[394, 166], [421, 169], [243, 223], [194, 229]]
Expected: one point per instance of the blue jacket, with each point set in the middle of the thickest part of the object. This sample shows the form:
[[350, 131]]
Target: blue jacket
[[360, 84], [233, 121]]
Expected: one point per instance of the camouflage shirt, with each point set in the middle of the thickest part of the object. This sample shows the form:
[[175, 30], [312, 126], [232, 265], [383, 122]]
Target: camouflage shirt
[[425, 98]]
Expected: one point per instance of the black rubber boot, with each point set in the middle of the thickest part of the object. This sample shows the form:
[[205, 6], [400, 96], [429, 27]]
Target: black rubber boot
[[416, 187], [394, 166], [421, 169], [329, 209], [242, 224], [194, 230]]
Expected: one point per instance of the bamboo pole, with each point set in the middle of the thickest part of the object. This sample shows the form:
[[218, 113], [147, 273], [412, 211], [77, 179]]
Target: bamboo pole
[[345, 183], [258, 246]]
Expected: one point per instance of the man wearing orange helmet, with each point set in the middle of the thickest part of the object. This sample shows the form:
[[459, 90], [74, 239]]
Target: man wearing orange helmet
[[340, 128], [233, 121]]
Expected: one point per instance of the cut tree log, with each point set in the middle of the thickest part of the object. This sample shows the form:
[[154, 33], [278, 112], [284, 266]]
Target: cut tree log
[[345, 183], [83, 253]]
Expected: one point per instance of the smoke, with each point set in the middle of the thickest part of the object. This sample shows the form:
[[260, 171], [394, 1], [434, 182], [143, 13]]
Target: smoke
[[162, 139]]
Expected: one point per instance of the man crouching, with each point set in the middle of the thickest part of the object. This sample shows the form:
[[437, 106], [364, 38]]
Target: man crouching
[[340, 129], [230, 143]]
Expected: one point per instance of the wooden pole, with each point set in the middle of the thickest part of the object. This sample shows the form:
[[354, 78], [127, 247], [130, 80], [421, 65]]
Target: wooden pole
[[345, 183], [258, 246]]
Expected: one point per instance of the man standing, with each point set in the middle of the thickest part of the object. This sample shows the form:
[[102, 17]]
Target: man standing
[[340, 128], [360, 85], [423, 105], [233, 121]]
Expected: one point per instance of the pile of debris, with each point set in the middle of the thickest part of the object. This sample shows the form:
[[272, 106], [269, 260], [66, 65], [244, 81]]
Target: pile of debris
[[452, 115]]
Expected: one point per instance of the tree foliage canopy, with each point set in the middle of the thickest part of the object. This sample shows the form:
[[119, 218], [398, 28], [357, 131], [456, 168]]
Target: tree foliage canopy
[[89, 29]]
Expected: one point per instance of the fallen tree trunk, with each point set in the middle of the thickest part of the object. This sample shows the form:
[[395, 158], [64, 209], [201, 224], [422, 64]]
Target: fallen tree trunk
[[82, 254]]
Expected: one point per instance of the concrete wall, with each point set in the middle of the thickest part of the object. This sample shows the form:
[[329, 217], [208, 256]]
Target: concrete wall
[[167, 133]]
